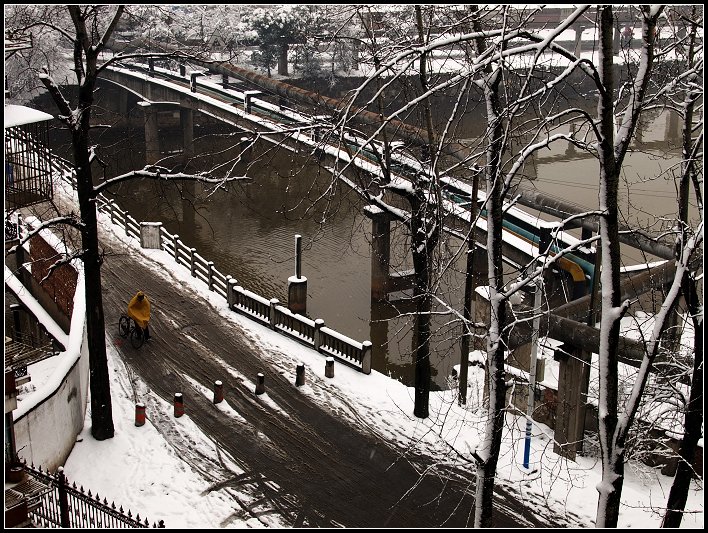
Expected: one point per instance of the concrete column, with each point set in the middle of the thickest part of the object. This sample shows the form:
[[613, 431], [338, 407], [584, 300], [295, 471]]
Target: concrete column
[[578, 39], [672, 125], [616, 41], [123, 106], [380, 252], [152, 134], [297, 284], [186, 120], [573, 378]]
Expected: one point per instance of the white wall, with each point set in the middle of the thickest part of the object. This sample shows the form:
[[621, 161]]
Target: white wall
[[48, 420]]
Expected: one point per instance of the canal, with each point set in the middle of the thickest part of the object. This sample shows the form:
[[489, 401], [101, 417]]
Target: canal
[[247, 228]]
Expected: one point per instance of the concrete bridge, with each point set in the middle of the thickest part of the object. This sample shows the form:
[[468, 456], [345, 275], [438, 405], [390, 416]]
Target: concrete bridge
[[234, 102]]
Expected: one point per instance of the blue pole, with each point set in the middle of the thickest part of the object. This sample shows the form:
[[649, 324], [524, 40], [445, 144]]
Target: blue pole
[[532, 368]]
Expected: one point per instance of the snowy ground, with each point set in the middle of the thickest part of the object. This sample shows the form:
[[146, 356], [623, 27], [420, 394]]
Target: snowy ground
[[139, 470]]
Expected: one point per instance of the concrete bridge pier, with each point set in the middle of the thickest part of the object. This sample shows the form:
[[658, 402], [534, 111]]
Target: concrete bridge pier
[[672, 125], [380, 252], [186, 120], [152, 133], [578, 39]]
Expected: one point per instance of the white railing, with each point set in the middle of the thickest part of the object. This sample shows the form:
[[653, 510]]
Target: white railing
[[310, 332]]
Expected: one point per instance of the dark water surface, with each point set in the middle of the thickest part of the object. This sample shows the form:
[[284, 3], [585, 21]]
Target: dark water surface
[[248, 230]]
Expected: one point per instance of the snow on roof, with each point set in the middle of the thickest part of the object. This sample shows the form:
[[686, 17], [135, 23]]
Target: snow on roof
[[17, 115]]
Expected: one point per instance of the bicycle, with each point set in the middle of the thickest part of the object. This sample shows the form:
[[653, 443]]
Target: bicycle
[[128, 327]]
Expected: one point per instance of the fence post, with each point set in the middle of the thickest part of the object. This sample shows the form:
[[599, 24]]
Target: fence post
[[175, 241], [329, 367], [230, 291], [192, 251], [125, 223], [112, 211], [210, 275], [366, 357], [273, 303], [63, 499], [319, 324]]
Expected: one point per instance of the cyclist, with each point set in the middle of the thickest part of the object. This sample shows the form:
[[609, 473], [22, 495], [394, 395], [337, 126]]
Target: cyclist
[[139, 310]]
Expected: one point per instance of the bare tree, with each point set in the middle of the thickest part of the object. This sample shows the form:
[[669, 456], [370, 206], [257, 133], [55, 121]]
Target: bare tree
[[87, 30], [607, 136]]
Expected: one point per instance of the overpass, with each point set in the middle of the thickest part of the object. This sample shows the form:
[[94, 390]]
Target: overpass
[[247, 109]]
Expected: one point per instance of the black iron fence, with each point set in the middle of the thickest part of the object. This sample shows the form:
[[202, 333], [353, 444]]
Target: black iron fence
[[62, 505]]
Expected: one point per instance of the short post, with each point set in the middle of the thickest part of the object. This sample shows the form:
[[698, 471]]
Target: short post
[[63, 499], [139, 414], [175, 243], [298, 255], [366, 357], [225, 80], [218, 391], [151, 66], [300, 375], [192, 266], [230, 291], [329, 367], [210, 275], [260, 384], [319, 324], [112, 211], [126, 223], [193, 81], [273, 303], [182, 70], [179, 405]]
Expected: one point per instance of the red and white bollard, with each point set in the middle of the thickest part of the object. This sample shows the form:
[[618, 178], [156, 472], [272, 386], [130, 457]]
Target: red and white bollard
[[179, 405], [139, 414]]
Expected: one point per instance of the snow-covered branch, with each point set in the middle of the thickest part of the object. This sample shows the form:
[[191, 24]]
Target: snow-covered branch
[[160, 173]]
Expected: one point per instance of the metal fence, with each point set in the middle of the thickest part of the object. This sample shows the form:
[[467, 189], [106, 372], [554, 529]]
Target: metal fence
[[60, 505]]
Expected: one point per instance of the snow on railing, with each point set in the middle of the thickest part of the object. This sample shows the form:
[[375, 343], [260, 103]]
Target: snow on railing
[[268, 312]]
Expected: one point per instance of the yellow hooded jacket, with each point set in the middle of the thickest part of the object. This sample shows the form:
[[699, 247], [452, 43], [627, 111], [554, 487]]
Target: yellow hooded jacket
[[139, 310]]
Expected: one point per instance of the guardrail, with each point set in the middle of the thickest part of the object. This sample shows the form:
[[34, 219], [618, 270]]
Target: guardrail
[[312, 333]]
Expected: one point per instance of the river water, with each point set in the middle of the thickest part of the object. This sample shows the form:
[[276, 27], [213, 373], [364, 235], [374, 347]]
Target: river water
[[248, 230]]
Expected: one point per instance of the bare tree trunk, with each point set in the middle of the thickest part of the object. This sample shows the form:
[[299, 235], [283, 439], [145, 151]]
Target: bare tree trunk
[[693, 421], [693, 418], [488, 455], [282, 59], [610, 488]]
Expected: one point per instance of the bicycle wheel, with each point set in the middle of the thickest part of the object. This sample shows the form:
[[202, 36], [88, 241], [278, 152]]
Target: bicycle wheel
[[124, 326], [136, 337]]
